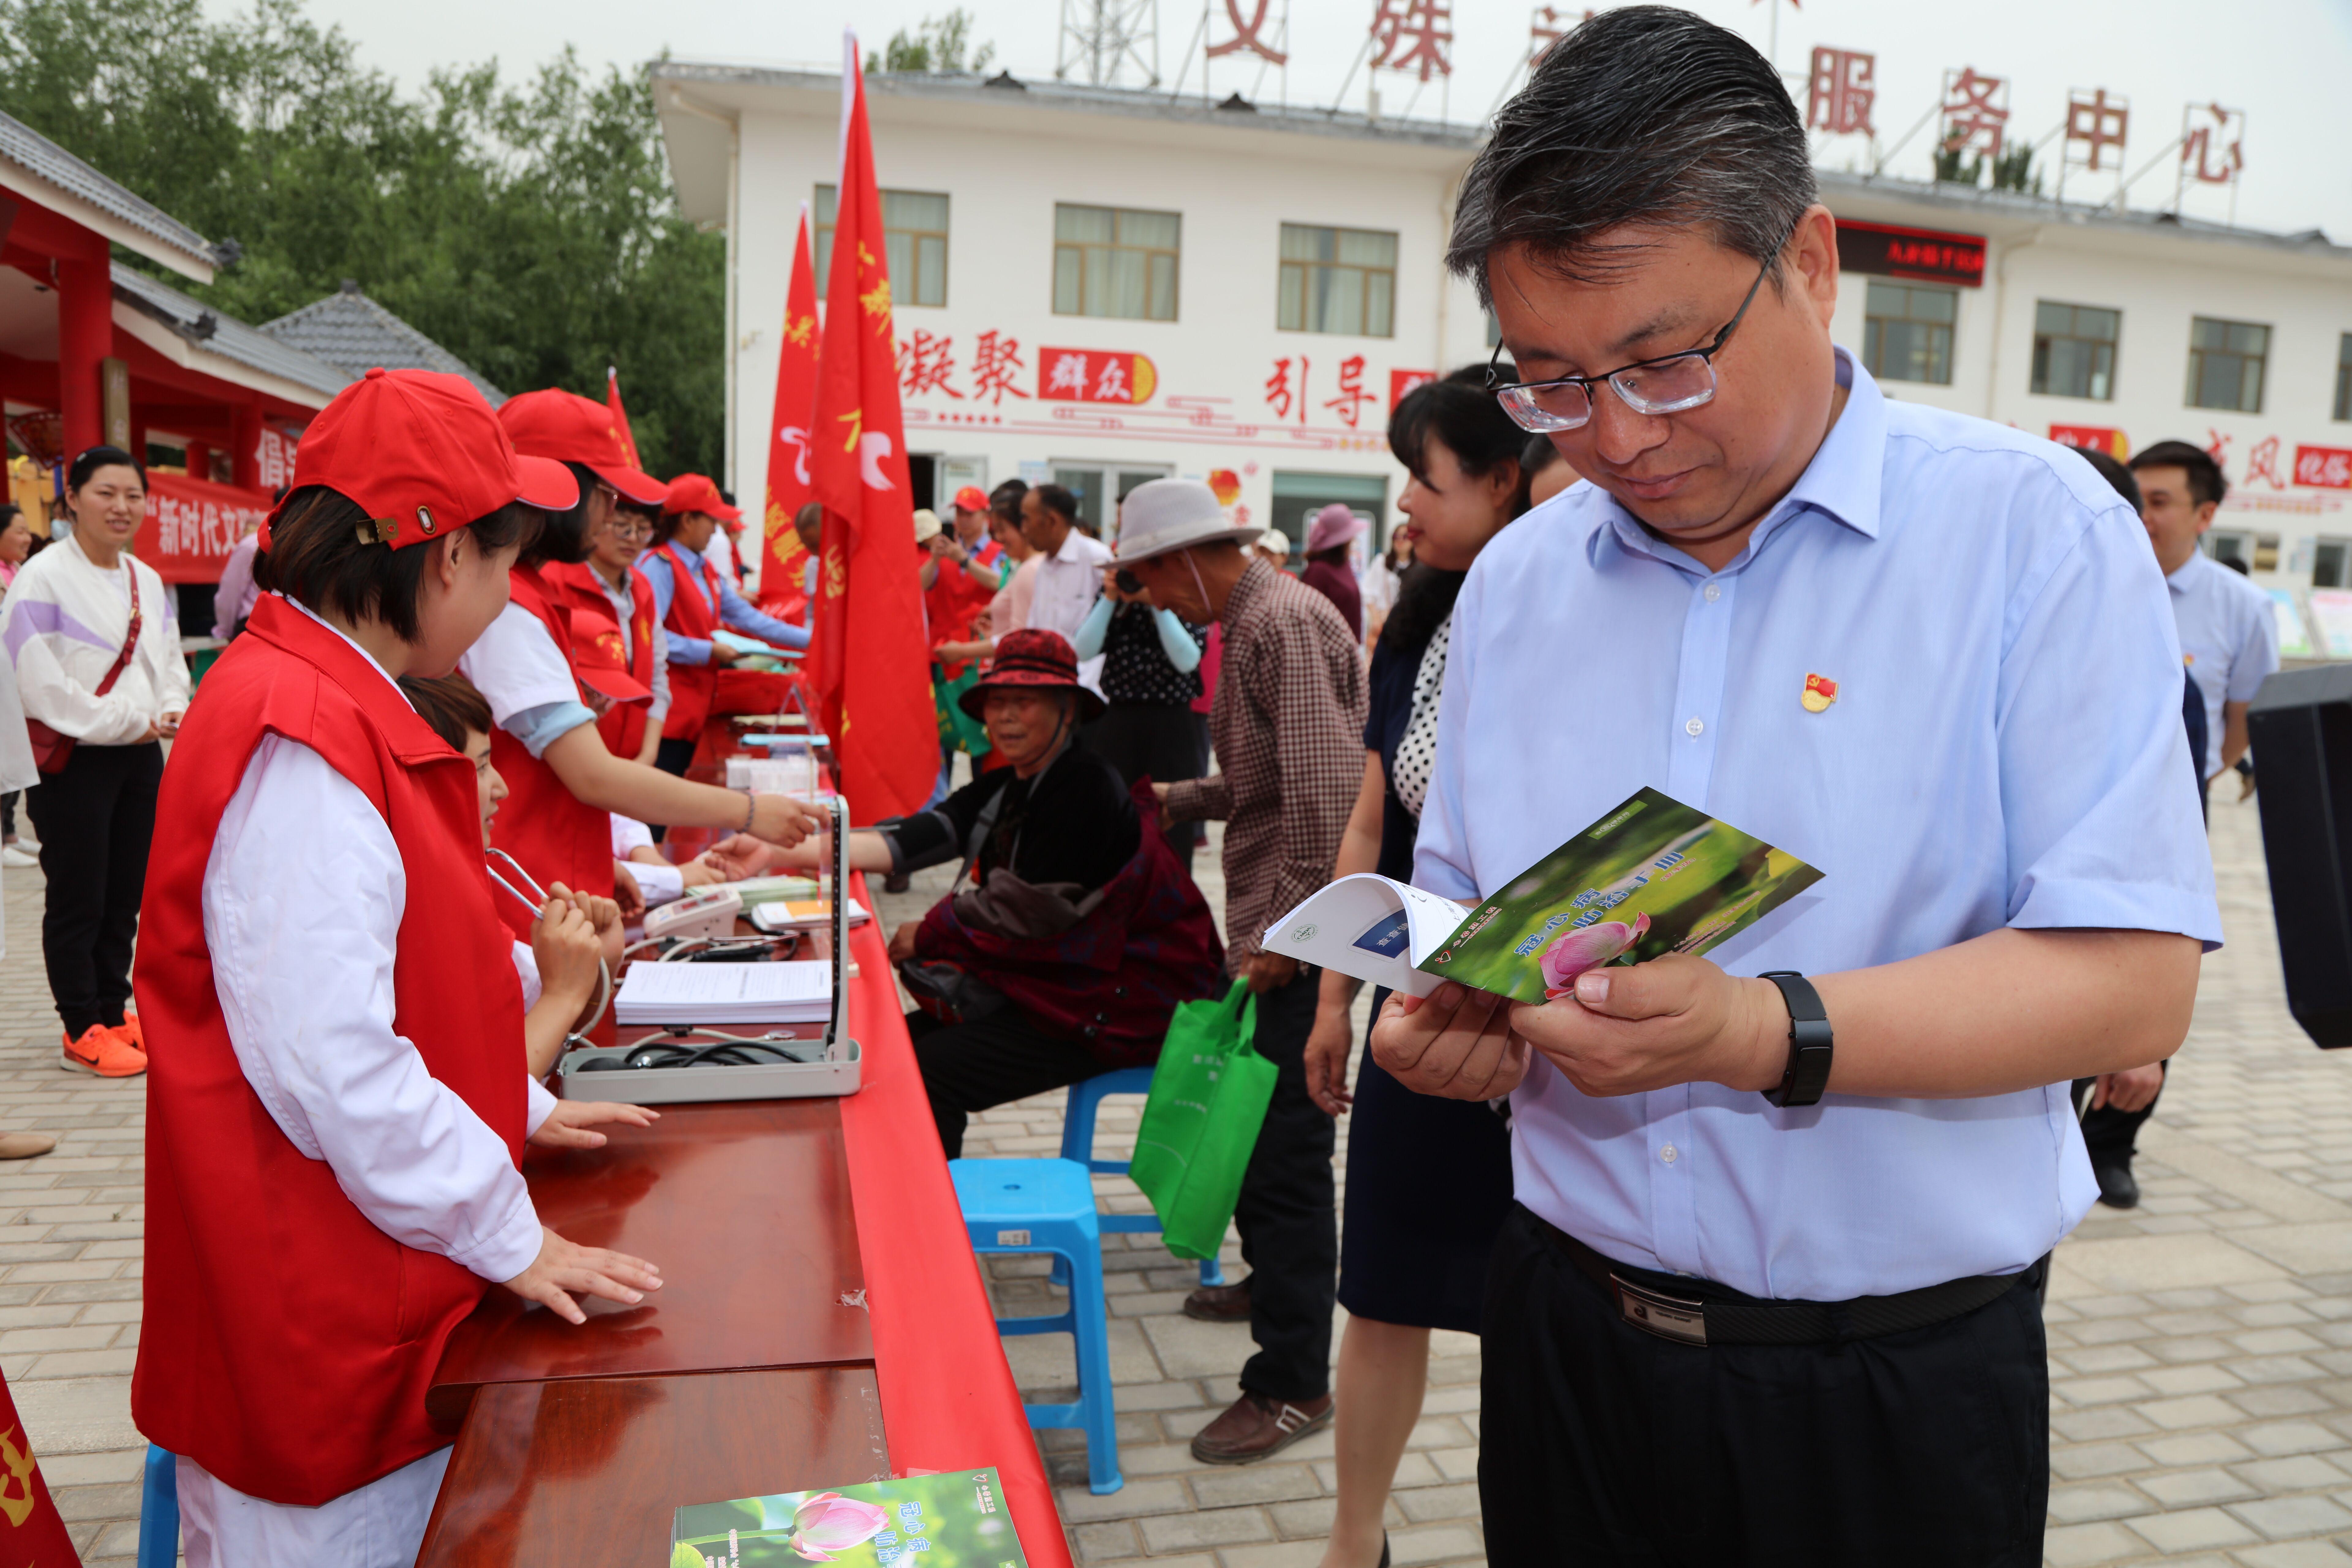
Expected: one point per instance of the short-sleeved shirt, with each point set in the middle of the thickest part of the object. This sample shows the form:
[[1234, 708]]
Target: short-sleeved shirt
[[527, 680], [2004, 748], [2228, 635]]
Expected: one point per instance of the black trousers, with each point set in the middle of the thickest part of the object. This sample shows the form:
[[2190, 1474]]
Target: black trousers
[[1003, 1057], [1289, 1228], [1600, 1443], [95, 816], [2109, 1133]]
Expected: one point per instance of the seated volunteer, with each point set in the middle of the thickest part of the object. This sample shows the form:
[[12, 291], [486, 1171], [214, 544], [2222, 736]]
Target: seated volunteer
[[94, 637], [1071, 934], [702, 684], [558, 964], [1770, 1291], [564, 778], [611, 601], [335, 1129]]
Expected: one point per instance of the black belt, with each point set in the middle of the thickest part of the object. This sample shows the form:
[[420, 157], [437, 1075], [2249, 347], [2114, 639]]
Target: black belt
[[1702, 1313]]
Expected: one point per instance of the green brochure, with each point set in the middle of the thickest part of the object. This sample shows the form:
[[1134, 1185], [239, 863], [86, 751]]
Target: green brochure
[[953, 1519], [1651, 876]]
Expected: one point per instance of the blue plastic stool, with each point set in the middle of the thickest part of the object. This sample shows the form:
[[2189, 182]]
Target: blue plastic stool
[[1078, 1144], [1048, 1205], [159, 1511]]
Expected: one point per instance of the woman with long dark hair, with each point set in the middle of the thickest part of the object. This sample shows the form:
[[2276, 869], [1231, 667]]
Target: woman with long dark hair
[[1429, 1181], [95, 639]]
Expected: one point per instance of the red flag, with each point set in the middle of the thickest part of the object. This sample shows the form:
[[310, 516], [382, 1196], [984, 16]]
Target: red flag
[[31, 1529], [620, 415], [873, 675], [782, 560]]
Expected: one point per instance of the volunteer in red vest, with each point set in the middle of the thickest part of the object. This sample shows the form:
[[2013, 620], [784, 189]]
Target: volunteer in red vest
[[563, 780], [702, 684], [337, 1110], [609, 599]]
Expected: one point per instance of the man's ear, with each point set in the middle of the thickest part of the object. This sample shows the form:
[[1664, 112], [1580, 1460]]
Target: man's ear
[[1812, 253]]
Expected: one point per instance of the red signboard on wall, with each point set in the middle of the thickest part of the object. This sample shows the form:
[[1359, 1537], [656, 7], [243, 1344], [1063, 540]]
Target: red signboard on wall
[[1922, 255], [2328, 468], [1403, 381], [1094, 375], [2096, 437], [192, 524]]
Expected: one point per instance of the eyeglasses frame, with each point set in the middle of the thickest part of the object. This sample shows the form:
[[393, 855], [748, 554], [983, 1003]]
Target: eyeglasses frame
[[1590, 382]]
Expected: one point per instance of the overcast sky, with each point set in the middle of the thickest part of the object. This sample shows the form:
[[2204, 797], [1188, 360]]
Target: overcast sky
[[2284, 61]]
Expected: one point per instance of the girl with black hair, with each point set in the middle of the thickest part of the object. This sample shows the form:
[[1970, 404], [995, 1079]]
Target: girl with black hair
[[94, 637], [1413, 1252]]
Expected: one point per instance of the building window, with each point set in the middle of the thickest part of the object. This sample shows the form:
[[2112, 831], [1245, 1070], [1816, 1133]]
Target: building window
[[914, 230], [1101, 488], [2074, 350], [1110, 262], [2344, 376], [1298, 496], [1337, 280], [2225, 364], [1906, 331], [2329, 562]]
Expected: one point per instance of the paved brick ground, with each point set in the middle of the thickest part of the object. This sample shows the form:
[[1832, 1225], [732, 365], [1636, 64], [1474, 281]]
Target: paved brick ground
[[2201, 1347]]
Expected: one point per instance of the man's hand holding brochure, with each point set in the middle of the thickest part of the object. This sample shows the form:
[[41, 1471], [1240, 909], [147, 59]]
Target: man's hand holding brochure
[[1549, 962]]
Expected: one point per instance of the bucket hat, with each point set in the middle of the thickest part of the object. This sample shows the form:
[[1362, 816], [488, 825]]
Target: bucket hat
[[1032, 658], [1162, 515], [1335, 524]]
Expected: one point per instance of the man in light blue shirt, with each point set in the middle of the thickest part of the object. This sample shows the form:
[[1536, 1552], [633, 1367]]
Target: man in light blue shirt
[[1760, 1303]]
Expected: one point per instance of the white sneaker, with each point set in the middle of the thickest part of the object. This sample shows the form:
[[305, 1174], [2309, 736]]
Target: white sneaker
[[13, 855]]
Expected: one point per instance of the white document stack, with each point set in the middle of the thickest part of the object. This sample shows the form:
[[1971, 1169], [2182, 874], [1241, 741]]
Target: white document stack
[[700, 993]]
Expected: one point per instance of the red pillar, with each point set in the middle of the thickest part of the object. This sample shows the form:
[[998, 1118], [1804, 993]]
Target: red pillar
[[85, 336], [200, 460], [245, 444]]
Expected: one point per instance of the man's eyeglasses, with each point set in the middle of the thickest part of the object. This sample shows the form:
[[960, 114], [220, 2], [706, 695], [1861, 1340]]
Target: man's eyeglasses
[[630, 529], [1668, 384]]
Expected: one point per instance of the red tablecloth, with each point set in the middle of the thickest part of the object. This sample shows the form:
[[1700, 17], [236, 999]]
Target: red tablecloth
[[949, 1401]]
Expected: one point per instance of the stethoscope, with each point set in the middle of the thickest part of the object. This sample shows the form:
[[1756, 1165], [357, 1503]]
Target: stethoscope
[[573, 1038]]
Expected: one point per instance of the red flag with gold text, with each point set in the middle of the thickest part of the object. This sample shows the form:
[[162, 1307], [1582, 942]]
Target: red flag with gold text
[[783, 561], [873, 676], [620, 415], [31, 1529]]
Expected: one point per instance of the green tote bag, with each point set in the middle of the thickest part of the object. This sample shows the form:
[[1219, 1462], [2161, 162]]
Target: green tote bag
[[1209, 1095]]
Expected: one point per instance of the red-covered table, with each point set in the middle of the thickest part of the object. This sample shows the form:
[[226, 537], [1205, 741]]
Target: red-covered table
[[735, 1384]]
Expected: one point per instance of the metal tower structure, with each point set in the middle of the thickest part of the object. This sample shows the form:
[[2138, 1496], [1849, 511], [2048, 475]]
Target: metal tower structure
[[1105, 42]]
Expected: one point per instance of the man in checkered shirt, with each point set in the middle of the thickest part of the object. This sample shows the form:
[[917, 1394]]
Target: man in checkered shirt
[[1287, 724]]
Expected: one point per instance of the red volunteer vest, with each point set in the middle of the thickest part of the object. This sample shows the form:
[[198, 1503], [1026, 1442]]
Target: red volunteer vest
[[558, 837], [696, 615], [624, 726], [288, 1341]]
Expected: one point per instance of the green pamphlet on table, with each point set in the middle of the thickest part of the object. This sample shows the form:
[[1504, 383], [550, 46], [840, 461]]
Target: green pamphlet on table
[[953, 1519], [1651, 876]]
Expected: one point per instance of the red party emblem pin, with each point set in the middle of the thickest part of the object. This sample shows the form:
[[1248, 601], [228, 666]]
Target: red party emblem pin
[[1820, 692]]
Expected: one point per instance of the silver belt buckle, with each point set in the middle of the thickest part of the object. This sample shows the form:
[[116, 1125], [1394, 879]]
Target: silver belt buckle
[[1668, 1317]]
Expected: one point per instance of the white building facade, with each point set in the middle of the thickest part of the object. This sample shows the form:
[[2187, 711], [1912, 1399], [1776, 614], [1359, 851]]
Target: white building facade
[[1100, 285]]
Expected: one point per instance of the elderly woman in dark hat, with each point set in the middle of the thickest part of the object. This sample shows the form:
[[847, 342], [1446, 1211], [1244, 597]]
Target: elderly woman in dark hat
[[1070, 934]]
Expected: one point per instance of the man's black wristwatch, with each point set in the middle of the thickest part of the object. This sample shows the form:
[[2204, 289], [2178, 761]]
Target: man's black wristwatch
[[1811, 1043]]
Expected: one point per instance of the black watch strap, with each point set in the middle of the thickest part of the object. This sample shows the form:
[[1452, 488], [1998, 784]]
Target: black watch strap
[[1811, 1043]]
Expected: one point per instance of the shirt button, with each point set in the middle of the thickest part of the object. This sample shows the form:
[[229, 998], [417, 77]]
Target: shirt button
[[1669, 1154], [1695, 728], [1713, 592]]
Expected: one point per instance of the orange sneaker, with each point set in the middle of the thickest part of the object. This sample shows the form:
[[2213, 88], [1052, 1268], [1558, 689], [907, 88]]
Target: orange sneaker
[[129, 1031], [103, 1052]]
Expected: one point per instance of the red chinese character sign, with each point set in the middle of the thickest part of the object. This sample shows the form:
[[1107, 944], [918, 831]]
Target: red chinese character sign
[[1548, 26], [192, 524], [1413, 36], [1840, 93], [2093, 439], [873, 665], [1976, 113], [2324, 468], [2098, 127], [1094, 375], [1249, 34], [2213, 153]]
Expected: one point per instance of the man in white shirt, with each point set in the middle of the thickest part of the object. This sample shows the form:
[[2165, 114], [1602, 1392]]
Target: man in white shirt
[[2229, 633], [1070, 565]]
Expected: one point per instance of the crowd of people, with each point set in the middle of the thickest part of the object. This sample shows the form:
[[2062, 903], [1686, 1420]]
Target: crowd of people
[[1756, 1256]]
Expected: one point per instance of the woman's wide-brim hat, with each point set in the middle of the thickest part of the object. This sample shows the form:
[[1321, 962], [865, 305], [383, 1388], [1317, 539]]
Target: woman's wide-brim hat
[[1033, 659], [1334, 525], [1167, 515]]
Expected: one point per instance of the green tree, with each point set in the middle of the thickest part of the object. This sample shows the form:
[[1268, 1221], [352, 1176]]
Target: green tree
[[936, 44], [531, 228]]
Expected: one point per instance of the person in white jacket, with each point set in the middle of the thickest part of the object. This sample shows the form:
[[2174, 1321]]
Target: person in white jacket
[[93, 637]]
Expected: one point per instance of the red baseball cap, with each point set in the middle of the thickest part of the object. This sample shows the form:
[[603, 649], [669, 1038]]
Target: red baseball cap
[[570, 428], [422, 454], [598, 658], [970, 499], [698, 492]]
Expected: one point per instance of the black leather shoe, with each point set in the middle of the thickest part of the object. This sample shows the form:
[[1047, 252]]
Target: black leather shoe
[[2117, 1190], [1220, 1304]]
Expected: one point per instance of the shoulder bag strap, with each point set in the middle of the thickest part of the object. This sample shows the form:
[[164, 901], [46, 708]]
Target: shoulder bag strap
[[130, 637]]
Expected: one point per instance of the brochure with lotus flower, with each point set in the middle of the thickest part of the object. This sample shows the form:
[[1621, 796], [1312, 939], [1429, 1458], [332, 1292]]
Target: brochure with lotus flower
[[1651, 876], [954, 1520]]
